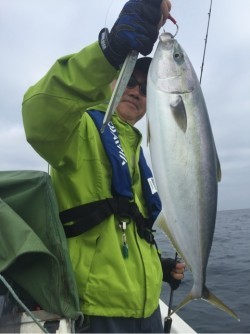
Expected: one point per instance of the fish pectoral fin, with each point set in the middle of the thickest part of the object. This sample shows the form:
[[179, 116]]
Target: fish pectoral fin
[[179, 111], [212, 299]]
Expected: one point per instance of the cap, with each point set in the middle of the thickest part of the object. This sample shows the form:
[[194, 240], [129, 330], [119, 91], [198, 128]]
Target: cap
[[142, 64]]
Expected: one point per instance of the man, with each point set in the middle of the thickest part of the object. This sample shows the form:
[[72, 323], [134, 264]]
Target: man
[[100, 179]]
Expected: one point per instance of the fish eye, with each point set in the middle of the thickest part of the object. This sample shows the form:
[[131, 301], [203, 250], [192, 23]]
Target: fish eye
[[178, 56]]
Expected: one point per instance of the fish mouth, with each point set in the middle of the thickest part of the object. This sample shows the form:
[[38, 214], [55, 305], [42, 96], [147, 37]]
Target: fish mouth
[[181, 91], [176, 91]]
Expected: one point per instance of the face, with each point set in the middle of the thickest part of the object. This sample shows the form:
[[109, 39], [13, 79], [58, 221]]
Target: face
[[132, 106]]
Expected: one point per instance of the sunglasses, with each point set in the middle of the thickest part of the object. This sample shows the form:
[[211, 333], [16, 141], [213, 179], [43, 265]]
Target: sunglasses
[[142, 86]]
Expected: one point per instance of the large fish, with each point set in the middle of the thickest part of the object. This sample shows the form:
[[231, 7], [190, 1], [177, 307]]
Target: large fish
[[184, 161]]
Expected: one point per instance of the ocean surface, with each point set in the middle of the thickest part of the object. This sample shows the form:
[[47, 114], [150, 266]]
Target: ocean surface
[[228, 277]]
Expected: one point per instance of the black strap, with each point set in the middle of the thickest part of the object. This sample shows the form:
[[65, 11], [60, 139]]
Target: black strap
[[89, 215], [85, 217]]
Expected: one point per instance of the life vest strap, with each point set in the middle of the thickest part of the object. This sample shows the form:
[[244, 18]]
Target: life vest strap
[[89, 215]]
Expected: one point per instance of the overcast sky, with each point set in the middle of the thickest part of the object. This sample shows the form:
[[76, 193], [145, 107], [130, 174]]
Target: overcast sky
[[34, 33]]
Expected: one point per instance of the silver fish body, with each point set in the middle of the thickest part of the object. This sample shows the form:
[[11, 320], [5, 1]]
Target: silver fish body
[[184, 161]]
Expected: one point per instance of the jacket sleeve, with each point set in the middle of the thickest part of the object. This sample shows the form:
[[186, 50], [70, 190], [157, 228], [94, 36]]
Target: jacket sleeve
[[52, 108]]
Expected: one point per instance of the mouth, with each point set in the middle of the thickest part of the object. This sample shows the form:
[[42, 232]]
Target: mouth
[[133, 103]]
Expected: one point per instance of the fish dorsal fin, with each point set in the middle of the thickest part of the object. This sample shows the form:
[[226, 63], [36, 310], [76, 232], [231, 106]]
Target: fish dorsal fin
[[179, 112]]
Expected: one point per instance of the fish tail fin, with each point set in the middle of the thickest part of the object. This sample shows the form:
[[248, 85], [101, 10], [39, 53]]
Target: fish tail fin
[[208, 297], [184, 302], [212, 299]]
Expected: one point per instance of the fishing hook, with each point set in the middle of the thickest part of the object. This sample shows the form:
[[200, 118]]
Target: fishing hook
[[175, 23]]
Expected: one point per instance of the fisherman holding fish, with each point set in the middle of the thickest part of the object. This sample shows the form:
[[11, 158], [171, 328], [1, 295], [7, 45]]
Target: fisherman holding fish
[[104, 188]]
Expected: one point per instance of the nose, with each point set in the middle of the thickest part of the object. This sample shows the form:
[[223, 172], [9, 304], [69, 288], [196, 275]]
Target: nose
[[134, 91]]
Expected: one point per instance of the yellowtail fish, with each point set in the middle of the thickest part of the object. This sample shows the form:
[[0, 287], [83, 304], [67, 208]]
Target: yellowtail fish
[[184, 161]]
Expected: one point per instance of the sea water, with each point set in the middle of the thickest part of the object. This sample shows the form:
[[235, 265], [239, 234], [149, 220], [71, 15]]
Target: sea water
[[228, 277]]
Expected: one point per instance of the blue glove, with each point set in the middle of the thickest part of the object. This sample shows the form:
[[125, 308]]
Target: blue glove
[[135, 29], [167, 266]]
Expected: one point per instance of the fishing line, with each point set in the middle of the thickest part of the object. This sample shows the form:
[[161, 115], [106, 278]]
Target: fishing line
[[107, 13], [106, 18], [205, 46]]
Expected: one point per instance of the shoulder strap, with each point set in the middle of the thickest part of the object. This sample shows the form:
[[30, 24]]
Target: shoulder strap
[[121, 180]]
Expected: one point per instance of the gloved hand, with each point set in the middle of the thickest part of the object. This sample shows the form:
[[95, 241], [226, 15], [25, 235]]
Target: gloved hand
[[135, 29], [167, 266]]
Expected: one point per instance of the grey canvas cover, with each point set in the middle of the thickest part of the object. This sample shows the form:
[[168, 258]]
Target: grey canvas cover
[[33, 246]]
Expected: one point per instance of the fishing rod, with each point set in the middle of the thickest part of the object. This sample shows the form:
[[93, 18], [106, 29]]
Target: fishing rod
[[168, 319], [204, 53]]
